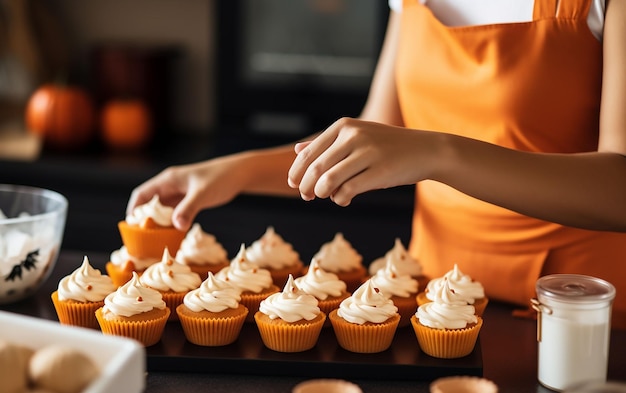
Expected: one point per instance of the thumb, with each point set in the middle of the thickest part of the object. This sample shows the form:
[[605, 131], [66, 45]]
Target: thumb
[[185, 212]]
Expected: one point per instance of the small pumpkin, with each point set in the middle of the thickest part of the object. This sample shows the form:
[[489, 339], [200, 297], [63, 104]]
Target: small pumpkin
[[63, 116], [126, 123]]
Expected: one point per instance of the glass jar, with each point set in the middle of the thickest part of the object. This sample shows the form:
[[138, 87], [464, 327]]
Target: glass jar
[[573, 329]]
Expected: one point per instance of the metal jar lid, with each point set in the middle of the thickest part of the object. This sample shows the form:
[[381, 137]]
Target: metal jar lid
[[574, 289]]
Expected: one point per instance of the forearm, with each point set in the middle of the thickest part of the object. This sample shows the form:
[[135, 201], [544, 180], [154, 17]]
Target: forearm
[[586, 190]]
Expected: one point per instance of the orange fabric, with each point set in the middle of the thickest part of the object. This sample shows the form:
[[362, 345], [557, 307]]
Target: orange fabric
[[531, 86]]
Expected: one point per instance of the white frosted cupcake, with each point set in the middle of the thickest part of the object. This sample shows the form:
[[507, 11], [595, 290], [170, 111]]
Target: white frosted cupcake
[[202, 252], [80, 294], [121, 265], [172, 279], [339, 257], [290, 321], [273, 253], [400, 288], [254, 282], [405, 263], [212, 315], [327, 288]]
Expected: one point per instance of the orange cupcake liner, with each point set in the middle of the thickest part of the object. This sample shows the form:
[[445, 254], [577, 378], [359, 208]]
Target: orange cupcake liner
[[280, 276], [253, 300], [76, 313], [150, 242], [330, 304], [281, 336], [203, 270], [446, 343], [366, 338], [120, 275], [212, 332], [147, 332], [407, 306], [172, 301]]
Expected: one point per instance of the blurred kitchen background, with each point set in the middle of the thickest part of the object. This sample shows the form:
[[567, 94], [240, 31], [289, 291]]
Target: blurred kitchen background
[[217, 76]]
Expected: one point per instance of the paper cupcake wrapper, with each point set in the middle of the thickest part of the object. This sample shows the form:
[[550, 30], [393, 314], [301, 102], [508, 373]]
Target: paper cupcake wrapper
[[406, 308], [147, 332], [366, 338], [444, 343], [289, 337], [253, 300], [120, 275], [329, 305], [76, 313], [203, 270], [172, 301], [212, 332], [150, 242]]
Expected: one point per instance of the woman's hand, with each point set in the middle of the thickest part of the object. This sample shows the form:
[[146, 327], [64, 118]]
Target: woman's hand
[[354, 156]]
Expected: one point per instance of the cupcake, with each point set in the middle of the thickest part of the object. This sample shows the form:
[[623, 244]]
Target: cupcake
[[290, 321], [339, 257], [327, 288], [404, 261], [366, 321], [254, 282], [172, 279], [149, 229], [80, 294], [202, 252], [271, 252], [400, 288], [211, 314], [463, 383], [447, 327], [134, 311], [462, 284], [121, 266]]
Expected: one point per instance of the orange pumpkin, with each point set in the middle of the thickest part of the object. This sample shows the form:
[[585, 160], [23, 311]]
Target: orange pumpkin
[[126, 123], [63, 116]]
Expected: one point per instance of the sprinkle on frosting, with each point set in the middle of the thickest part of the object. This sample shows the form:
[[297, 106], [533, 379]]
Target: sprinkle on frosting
[[320, 283], [405, 262], [367, 304], [200, 248], [85, 284], [392, 282], [132, 298], [214, 295], [461, 283], [170, 275], [290, 305], [272, 251], [245, 275], [159, 213], [448, 310], [338, 255]]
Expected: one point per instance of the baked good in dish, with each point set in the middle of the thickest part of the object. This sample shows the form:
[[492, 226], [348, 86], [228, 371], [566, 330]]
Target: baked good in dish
[[172, 279], [463, 383], [80, 294], [134, 311], [273, 253], [462, 284], [446, 327], [405, 263], [121, 265], [202, 252], [57, 368], [290, 321], [254, 282], [211, 315], [339, 257], [400, 288], [366, 321], [149, 229], [327, 288], [14, 360]]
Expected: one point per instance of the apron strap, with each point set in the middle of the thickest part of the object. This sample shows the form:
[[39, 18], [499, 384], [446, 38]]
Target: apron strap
[[564, 9]]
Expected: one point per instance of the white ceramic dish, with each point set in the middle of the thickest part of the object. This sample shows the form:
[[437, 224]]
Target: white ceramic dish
[[122, 361]]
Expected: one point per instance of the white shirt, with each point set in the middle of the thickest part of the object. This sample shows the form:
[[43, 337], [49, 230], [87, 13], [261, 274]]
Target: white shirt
[[486, 12]]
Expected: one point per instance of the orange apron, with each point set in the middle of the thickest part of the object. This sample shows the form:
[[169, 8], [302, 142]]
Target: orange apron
[[532, 86]]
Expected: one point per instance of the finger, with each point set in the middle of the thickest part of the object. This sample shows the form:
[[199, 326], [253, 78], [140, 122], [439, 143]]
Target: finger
[[333, 178], [301, 145], [186, 211]]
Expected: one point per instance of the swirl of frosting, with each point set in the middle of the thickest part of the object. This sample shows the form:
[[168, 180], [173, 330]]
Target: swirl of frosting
[[213, 295], [367, 304], [320, 283], [169, 275], [290, 305], [271, 251], [462, 284], [200, 248], [338, 255], [405, 262], [132, 298], [159, 213], [392, 283], [85, 284], [121, 256], [448, 310], [245, 275]]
